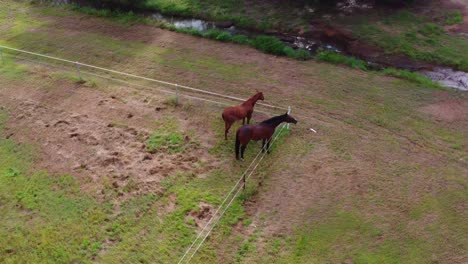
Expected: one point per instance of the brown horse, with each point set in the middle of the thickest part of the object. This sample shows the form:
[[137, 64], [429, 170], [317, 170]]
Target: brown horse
[[232, 114], [263, 130]]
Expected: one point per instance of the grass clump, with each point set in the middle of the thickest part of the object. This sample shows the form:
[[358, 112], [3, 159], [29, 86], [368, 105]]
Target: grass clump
[[167, 137], [120, 16], [412, 76], [218, 35], [454, 17], [241, 39], [225, 36], [269, 45], [12, 70], [172, 141], [428, 30], [298, 54], [190, 31], [337, 58]]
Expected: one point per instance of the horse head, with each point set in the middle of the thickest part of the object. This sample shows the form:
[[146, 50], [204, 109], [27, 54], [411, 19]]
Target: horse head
[[289, 119], [259, 96]]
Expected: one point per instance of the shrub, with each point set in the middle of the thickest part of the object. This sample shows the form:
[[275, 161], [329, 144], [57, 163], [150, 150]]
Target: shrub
[[269, 44]]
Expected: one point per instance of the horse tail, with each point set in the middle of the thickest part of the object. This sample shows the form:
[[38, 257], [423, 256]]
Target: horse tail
[[237, 144], [223, 117]]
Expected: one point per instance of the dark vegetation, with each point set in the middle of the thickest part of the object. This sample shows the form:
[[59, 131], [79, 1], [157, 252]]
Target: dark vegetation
[[416, 36], [267, 44]]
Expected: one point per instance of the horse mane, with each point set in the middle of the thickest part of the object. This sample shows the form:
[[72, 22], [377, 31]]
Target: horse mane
[[251, 99], [273, 120]]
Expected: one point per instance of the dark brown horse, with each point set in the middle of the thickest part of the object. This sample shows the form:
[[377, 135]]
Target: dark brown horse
[[232, 114], [263, 131]]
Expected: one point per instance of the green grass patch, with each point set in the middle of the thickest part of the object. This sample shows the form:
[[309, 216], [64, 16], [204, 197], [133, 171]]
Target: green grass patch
[[172, 142], [413, 77], [167, 138], [337, 58], [44, 218], [124, 18], [11, 70], [269, 45], [241, 39], [454, 17], [416, 36]]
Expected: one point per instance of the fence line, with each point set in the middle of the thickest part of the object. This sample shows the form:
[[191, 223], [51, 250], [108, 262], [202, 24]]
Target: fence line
[[148, 88], [302, 116], [239, 188], [76, 63]]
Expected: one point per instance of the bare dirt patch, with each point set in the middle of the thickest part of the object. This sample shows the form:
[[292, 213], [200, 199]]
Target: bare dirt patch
[[449, 110], [202, 215], [97, 136]]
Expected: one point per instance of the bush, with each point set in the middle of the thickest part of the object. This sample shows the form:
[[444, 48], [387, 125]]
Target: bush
[[337, 58], [269, 45]]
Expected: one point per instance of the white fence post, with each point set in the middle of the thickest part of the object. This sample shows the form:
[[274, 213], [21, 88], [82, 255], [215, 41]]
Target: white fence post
[[78, 70], [289, 112], [177, 95]]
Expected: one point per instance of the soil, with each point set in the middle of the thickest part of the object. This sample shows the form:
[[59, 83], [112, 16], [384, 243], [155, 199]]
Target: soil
[[461, 5], [98, 136], [202, 215], [447, 109]]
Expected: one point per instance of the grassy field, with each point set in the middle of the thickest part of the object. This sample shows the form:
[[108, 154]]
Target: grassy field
[[263, 16], [414, 35], [382, 182], [396, 31]]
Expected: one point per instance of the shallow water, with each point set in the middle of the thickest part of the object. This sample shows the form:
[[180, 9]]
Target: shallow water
[[449, 78], [197, 24]]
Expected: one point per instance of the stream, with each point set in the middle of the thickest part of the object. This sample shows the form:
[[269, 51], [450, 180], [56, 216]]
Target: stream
[[446, 77]]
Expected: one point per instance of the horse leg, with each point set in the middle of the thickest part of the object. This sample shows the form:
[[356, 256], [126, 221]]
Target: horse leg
[[268, 145], [243, 121], [243, 150], [227, 125], [249, 116], [263, 145]]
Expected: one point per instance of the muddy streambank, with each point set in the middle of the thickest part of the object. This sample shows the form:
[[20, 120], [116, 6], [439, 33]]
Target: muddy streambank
[[321, 36]]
